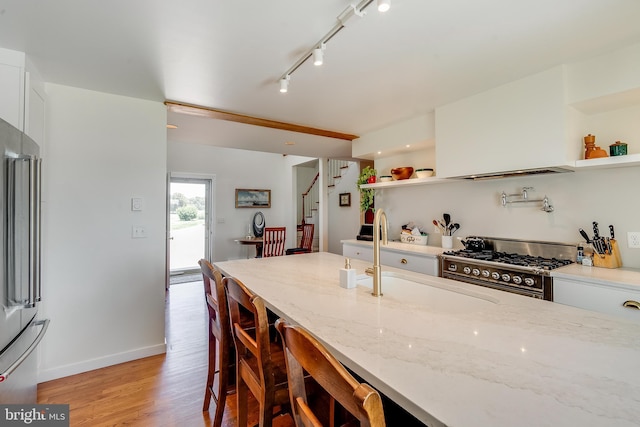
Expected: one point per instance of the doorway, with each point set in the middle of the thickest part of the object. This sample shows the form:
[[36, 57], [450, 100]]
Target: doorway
[[189, 223]]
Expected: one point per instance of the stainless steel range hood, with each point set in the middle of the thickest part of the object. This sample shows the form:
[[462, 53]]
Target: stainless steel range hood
[[515, 173]]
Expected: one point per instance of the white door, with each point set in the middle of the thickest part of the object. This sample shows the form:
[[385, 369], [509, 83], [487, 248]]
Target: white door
[[189, 222]]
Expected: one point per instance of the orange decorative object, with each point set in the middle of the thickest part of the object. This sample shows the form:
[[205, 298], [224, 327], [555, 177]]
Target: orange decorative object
[[591, 150], [402, 173]]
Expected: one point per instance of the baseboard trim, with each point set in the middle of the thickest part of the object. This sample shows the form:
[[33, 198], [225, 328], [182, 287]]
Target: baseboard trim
[[100, 362]]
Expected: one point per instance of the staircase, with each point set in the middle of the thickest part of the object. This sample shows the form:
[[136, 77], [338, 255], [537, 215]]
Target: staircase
[[335, 170], [310, 201], [311, 197]]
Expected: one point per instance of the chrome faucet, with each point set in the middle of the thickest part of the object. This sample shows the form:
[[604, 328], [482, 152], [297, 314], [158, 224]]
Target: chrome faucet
[[377, 272]]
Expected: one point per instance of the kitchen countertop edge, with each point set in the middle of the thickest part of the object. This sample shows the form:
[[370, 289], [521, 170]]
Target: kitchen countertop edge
[[431, 251]]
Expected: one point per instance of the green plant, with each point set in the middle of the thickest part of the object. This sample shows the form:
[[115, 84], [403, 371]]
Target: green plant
[[366, 194], [187, 213]]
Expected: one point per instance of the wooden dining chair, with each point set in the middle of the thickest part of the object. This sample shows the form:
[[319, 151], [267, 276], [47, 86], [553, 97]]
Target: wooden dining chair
[[221, 347], [273, 241], [306, 241], [304, 353], [260, 366]]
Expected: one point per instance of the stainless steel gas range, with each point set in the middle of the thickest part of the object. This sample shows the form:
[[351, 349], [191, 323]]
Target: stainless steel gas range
[[517, 266]]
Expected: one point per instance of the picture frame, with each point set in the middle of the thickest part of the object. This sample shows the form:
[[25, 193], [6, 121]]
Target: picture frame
[[345, 199], [253, 198]]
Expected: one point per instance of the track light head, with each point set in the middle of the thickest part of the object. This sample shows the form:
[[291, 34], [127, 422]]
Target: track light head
[[318, 54], [284, 84], [384, 5]]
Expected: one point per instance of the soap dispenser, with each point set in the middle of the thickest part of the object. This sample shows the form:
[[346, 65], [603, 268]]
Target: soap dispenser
[[347, 275]]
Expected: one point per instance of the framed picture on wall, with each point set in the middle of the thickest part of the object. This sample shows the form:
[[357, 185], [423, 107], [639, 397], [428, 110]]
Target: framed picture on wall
[[247, 198], [345, 199]]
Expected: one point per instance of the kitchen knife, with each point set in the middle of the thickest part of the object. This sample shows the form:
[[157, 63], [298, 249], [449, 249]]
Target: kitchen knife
[[584, 235], [596, 234], [613, 236]]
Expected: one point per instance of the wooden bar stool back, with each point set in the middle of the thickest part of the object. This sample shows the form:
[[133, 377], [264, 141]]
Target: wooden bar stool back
[[273, 241], [303, 353], [221, 348], [260, 366]]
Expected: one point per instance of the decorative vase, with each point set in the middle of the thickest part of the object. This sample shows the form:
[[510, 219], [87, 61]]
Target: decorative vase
[[591, 150]]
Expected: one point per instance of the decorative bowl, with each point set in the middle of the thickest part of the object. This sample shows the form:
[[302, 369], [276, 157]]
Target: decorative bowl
[[424, 173], [401, 173], [386, 178]]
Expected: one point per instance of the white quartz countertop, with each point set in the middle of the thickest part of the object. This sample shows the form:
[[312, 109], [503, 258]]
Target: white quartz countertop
[[626, 278], [491, 359], [431, 251]]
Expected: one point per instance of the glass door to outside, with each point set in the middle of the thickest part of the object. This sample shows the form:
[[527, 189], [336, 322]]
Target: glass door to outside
[[189, 223]]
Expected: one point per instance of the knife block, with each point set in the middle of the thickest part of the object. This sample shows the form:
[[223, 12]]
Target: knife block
[[611, 260]]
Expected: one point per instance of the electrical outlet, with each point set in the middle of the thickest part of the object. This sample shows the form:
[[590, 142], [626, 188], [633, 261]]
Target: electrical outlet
[[633, 239], [138, 232], [436, 229]]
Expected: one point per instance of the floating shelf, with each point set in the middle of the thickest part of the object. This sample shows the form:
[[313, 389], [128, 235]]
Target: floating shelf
[[609, 162], [410, 181]]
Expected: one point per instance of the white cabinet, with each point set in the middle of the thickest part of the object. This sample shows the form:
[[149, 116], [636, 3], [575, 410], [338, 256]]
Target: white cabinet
[[393, 257], [412, 262], [12, 75], [604, 298], [358, 252], [23, 99], [524, 124]]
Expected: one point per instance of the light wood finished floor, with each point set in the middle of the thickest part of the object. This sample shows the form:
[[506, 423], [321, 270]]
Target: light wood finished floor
[[164, 390]]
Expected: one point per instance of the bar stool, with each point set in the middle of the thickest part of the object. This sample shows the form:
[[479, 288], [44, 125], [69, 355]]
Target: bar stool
[[303, 353], [260, 366], [221, 348]]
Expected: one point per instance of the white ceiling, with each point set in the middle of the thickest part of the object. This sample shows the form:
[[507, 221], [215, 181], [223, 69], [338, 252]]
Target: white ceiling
[[380, 69]]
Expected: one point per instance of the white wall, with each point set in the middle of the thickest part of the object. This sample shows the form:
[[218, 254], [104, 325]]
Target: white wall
[[240, 169], [102, 290], [344, 222], [607, 196]]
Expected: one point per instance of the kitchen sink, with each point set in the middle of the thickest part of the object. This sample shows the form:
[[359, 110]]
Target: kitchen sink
[[429, 294]]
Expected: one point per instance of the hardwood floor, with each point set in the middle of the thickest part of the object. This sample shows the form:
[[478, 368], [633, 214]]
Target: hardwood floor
[[163, 390]]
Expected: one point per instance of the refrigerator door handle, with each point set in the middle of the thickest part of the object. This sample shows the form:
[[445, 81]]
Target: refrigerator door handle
[[45, 324], [23, 278], [34, 229]]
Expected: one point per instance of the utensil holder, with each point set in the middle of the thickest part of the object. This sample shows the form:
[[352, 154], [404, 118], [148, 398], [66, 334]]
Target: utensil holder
[[607, 260]]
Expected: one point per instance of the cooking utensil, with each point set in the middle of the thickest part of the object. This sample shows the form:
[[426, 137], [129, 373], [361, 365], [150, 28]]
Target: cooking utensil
[[613, 236], [596, 234], [447, 219], [454, 228]]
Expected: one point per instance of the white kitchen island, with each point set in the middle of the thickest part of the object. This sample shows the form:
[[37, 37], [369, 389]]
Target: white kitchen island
[[494, 359]]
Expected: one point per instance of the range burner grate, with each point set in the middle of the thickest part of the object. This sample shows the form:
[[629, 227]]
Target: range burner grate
[[512, 258]]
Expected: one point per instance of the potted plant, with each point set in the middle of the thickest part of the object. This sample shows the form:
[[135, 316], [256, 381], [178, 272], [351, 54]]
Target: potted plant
[[367, 176]]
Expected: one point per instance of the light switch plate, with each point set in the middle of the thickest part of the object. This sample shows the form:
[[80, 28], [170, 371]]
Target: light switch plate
[[136, 203]]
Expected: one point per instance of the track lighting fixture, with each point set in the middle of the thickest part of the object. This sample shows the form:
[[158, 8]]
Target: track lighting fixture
[[284, 84], [317, 52], [384, 5]]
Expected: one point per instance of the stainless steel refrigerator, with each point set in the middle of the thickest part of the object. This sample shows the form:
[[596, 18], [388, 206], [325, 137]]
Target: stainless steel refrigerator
[[20, 328]]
